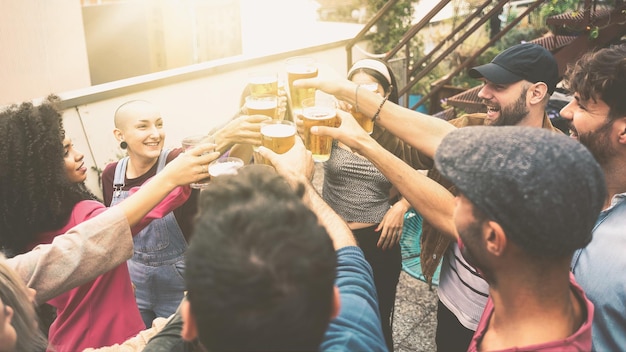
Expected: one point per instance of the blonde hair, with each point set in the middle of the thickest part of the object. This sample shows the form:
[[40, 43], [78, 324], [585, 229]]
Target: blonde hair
[[14, 294]]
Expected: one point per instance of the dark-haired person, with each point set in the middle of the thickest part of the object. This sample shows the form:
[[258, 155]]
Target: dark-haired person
[[367, 201], [272, 267], [43, 195], [597, 118], [519, 224]]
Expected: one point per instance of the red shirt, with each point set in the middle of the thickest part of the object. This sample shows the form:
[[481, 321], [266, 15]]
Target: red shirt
[[579, 341], [102, 312]]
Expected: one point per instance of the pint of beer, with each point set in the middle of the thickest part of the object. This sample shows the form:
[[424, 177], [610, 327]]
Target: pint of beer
[[278, 136], [365, 121], [318, 112], [262, 83], [300, 67], [265, 104]]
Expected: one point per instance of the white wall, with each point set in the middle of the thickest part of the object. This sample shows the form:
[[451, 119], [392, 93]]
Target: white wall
[[188, 107]]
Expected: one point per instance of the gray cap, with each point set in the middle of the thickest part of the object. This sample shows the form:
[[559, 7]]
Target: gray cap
[[544, 188]]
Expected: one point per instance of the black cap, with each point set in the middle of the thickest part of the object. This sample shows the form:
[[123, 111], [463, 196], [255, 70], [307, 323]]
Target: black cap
[[527, 61]]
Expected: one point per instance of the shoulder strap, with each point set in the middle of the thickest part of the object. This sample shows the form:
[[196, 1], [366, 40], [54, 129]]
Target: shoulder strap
[[120, 173], [162, 160]]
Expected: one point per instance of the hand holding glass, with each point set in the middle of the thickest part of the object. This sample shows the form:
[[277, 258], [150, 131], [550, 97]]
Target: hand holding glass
[[320, 111], [192, 141]]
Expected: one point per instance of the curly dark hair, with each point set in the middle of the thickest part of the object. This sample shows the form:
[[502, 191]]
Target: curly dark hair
[[601, 74], [35, 194], [259, 269]]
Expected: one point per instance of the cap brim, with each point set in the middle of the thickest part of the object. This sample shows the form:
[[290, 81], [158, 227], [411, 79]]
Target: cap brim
[[494, 73]]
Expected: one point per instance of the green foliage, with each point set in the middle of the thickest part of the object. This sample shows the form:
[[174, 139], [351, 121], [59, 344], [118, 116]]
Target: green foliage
[[392, 26], [557, 7]]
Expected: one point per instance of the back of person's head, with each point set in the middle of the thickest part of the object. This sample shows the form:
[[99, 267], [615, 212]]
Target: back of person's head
[[381, 72], [260, 270], [35, 193], [17, 298], [543, 188], [601, 75]]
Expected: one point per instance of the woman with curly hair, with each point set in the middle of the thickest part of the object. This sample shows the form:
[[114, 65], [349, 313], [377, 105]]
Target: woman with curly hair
[[42, 195]]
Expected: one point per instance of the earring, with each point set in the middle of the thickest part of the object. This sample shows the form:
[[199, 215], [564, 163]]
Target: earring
[[123, 145]]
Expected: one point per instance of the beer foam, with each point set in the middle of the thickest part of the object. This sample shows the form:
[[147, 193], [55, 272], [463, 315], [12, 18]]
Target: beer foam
[[319, 113], [278, 130], [263, 80], [225, 168], [262, 104]]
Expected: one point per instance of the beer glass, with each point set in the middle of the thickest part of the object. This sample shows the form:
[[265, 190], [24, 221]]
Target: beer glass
[[192, 141], [265, 104], [365, 121], [319, 111], [262, 83], [225, 166], [278, 136], [300, 67]]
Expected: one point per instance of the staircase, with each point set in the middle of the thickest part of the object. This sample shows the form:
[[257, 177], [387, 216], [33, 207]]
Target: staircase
[[594, 24]]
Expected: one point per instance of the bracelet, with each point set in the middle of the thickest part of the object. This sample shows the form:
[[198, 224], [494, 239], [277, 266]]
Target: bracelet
[[356, 98], [380, 107]]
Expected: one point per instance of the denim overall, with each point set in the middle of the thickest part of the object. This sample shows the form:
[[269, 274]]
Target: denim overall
[[157, 266]]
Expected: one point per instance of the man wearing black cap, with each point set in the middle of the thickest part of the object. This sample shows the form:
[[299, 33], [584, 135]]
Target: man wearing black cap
[[519, 223], [597, 117], [517, 85]]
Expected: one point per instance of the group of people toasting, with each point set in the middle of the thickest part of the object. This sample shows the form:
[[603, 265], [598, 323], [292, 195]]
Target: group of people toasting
[[175, 257]]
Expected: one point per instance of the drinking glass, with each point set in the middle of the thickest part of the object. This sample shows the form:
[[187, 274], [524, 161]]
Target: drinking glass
[[300, 67], [318, 111]]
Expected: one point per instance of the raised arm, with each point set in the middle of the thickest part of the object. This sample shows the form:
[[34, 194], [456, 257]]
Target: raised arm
[[428, 197], [103, 242], [421, 131], [297, 167]]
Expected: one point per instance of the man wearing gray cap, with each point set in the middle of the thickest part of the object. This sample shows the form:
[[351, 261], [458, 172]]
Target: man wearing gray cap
[[519, 222], [516, 90], [597, 117]]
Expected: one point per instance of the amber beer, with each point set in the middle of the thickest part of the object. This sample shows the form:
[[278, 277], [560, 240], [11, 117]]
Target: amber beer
[[263, 83], [300, 68], [366, 122], [262, 105], [278, 136], [319, 146]]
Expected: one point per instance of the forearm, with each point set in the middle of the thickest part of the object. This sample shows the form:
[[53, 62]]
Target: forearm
[[423, 132], [336, 227], [426, 196], [137, 206], [86, 251]]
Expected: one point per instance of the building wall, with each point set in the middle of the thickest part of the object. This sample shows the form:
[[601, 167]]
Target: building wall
[[42, 49]]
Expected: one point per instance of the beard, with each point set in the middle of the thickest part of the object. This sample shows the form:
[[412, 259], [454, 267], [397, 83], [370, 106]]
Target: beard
[[599, 143], [512, 114]]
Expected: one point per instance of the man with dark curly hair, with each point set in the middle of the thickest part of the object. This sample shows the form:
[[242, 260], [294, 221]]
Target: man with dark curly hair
[[597, 118]]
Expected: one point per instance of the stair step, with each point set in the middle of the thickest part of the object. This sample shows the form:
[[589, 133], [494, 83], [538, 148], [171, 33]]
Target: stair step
[[554, 42], [575, 21], [467, 100]]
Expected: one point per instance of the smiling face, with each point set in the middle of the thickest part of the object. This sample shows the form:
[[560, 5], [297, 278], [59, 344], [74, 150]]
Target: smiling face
[[74, 162], [506, 103], [589, 123], [140, 125]]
